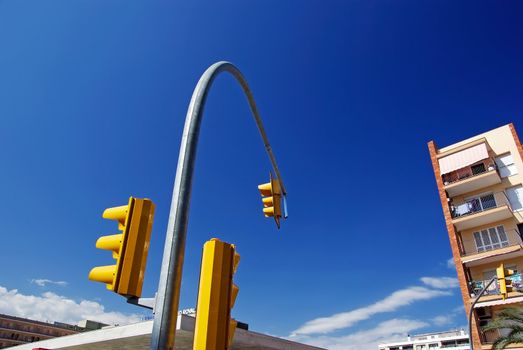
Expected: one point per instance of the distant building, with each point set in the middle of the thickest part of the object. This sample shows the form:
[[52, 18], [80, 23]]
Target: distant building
[[480, 185], [17, 330], [451, 340], [88, 325]]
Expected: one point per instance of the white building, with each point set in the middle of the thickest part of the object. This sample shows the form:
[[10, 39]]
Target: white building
[[451, 340]]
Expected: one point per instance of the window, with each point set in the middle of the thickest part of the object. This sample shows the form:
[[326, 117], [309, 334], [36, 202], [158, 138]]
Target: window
[[506, 165], [477, 169], [474, 204], [482, 202], [491, 238], [515, 197], [484, 314]]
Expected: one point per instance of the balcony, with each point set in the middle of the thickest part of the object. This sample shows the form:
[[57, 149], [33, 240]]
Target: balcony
[[481, 210], [504, 253], [492, 295], [457, 344], [471, 178], [493, 245], [488, 338]]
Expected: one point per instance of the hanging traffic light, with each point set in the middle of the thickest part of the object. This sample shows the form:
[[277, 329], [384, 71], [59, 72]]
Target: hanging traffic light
[[271, 198], [130, 247], [505, 284], [214, 327]]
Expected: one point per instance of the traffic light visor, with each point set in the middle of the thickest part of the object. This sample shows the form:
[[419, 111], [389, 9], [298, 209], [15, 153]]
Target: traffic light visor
[[265, 189], [103, 274], [112, 242]]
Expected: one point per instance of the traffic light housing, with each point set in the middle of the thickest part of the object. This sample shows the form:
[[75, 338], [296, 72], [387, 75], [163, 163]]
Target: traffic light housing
[[214, 327], [129, 247], [271, 198], [505, 284]]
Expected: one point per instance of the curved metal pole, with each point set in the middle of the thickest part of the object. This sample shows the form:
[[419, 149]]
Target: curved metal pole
[[168, 297], [472, 309]]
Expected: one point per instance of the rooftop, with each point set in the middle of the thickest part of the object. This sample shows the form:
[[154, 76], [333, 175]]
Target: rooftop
[[138, 336]]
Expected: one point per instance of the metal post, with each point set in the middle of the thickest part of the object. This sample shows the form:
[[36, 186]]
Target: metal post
[[472, 309], [168, 297]]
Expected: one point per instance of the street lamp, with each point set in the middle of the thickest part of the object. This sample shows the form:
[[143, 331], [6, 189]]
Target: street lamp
[[168, 296]]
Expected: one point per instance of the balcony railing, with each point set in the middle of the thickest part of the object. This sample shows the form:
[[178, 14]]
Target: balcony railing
[[477, 286], [476, 169], [479, 204], [454, 344]]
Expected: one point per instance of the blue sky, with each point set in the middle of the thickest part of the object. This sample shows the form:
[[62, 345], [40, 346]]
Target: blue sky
[[93, 96]]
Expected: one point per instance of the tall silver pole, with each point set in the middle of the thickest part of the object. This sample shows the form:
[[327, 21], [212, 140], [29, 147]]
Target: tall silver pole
[[168, 297]]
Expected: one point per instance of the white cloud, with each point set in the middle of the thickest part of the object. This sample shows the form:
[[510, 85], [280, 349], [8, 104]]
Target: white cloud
[[42, 282], [451, 264], [443, 320], [52, 307], [440, 282], [387, 331], [399, 298], [458, 310], [448, 318]]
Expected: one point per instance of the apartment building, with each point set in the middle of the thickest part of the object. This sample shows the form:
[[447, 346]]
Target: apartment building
[[450, 340], [479, 182], [17, 330]]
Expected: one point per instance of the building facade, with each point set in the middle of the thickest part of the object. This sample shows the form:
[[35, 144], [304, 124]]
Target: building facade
[[17, 330], [451, 340], [479, 182]]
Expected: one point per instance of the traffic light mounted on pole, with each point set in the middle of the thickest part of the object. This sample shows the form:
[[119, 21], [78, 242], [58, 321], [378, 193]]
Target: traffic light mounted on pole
[[214, 327], [505, 284], [130, 247], [271, 198]]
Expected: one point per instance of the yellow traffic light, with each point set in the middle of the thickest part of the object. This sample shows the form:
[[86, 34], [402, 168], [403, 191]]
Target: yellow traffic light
[[130, 247], [214, 328], [271, 198], [505, 284]]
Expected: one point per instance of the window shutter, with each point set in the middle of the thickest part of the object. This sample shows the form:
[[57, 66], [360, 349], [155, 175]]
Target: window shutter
[[515, 197], [506, 165]]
